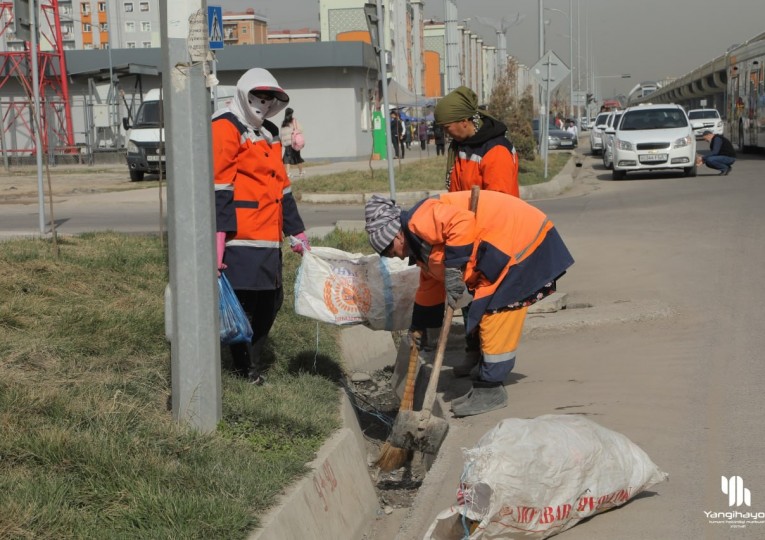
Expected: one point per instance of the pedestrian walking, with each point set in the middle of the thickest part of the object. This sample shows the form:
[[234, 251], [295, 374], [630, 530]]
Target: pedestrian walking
[[291, 135], [397, 134]]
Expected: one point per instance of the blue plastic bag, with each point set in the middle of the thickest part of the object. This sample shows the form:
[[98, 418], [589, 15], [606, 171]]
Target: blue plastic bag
[[234, 325]]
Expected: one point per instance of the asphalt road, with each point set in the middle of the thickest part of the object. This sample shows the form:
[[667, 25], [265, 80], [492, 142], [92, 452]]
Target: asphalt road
[[669, 354]]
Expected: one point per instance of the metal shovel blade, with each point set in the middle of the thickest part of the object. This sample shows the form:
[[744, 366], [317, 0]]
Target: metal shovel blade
[[415, 430]]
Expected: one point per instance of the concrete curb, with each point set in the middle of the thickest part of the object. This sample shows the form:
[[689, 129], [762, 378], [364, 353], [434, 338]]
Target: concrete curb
[[336, 500]]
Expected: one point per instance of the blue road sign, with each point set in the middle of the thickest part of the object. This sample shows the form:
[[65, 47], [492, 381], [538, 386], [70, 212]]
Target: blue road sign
[[215, 26]]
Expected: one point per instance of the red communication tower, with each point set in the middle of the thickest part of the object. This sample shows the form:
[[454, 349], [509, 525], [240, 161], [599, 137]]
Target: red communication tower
[[16, 66]]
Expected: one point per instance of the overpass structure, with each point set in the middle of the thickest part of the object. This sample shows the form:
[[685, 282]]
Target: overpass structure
[[708, 82]]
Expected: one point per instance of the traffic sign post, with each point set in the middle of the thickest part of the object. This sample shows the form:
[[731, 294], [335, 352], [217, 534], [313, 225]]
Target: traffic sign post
[[215, 27], [549, 71], [215, 37]]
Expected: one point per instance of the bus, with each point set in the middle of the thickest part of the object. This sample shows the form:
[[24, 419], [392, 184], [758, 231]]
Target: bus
[[745, 100]]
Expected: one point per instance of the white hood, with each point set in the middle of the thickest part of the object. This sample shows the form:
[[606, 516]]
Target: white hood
[[254, 114]]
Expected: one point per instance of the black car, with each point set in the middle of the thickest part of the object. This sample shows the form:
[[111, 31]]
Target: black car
[[556, 138]]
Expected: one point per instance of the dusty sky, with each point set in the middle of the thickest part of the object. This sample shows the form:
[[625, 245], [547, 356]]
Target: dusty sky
[[648, 39]]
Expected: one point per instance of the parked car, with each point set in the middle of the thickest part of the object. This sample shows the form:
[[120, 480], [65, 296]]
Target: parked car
[[608, 138], [596, 133], [705, 119], [584, 123], [651, 137], [556, 138]]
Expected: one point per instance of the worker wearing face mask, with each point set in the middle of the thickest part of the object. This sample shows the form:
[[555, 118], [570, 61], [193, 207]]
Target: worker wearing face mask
[[254, 208]]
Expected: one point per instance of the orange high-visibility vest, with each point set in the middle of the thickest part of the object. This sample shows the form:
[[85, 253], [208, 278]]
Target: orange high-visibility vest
[[508, 250]]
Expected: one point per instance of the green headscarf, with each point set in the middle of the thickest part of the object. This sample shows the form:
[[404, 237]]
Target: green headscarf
[[457, 105]]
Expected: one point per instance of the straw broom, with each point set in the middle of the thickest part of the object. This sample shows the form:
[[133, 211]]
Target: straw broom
[[391, 457]]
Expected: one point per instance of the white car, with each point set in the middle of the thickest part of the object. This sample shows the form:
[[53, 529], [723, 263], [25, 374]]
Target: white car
[[608, 138], [596, 133], [705, 119], [652, 137]]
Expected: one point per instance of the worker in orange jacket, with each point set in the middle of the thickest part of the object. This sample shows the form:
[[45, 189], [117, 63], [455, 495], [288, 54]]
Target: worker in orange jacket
[[480, 154], [508, 255], [254, 208]]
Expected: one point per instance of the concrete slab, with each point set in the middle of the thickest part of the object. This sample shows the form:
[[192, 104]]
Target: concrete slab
[[336, 500]]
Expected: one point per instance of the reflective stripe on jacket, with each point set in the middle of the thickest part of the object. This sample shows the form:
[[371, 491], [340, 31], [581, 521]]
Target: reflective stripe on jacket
[[254, 204], [509, 250]]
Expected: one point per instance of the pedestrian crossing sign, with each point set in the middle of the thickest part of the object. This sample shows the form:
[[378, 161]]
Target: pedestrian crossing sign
[[215, 26]]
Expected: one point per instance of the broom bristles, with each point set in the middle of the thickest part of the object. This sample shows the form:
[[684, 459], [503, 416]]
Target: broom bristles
[[392, 457]]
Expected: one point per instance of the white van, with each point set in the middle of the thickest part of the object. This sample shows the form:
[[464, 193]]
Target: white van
[[146, 137]]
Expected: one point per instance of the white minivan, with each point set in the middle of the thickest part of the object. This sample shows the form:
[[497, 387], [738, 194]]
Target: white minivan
[[146, 137]]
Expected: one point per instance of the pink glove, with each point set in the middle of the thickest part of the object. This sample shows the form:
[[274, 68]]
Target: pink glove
[[299, 242], [220, 248]]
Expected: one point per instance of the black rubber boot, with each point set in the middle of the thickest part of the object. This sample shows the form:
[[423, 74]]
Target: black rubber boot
[[482, 398]]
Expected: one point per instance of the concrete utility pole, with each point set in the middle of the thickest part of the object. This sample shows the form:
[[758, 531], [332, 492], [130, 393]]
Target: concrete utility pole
[[192, 304], [452, 48]]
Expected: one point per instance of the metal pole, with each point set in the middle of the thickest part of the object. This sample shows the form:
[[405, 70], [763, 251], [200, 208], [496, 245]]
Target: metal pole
[[579, 57], [6, 164], [571, 56], [542, 108], [384, 83], [36, 113], [547, 102], [191, 302]]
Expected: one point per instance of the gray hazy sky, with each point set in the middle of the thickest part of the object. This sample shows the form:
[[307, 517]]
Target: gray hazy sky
[[649, 39]]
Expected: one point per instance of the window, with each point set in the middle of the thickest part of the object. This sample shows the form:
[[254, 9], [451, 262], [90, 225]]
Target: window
[[145, 26], [129, 26], [244, 30], [85, 8], [144, 6], [146, 44], [130, 44], [104, 27], [86, 27], [128, 7], [88, 46], [101, 7]]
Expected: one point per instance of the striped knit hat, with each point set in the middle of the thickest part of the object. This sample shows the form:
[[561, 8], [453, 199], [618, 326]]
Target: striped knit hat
[[382, 222]]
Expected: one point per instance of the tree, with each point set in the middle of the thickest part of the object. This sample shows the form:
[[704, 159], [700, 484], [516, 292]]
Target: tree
[[514, 112]]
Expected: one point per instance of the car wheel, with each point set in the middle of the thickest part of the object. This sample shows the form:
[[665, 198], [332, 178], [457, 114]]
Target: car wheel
[[618, 175], [690, 171], [136, 176]]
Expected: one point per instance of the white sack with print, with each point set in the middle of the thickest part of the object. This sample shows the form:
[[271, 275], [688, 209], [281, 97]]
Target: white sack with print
[[342, 288], [536, 478]]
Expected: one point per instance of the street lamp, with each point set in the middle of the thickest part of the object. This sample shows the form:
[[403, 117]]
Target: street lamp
[[570, 50]]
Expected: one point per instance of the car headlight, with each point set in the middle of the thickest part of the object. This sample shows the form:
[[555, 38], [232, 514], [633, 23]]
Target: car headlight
[[555, 140], [683, 141], [623, 145], [132, 148]]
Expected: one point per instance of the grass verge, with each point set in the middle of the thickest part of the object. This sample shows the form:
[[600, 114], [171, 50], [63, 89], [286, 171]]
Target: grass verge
[[426, 174], [89, 447]]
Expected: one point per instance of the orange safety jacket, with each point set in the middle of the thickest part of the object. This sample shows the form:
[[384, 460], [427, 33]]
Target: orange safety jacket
[[254, 204], [487, 160], [508, 250]]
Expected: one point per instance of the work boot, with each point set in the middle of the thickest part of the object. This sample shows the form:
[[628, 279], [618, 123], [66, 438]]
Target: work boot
[[483, 397], [471, 360]]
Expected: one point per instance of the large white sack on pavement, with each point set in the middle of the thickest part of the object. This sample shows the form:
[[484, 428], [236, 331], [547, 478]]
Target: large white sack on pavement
[[342, 288], [536, 478]]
